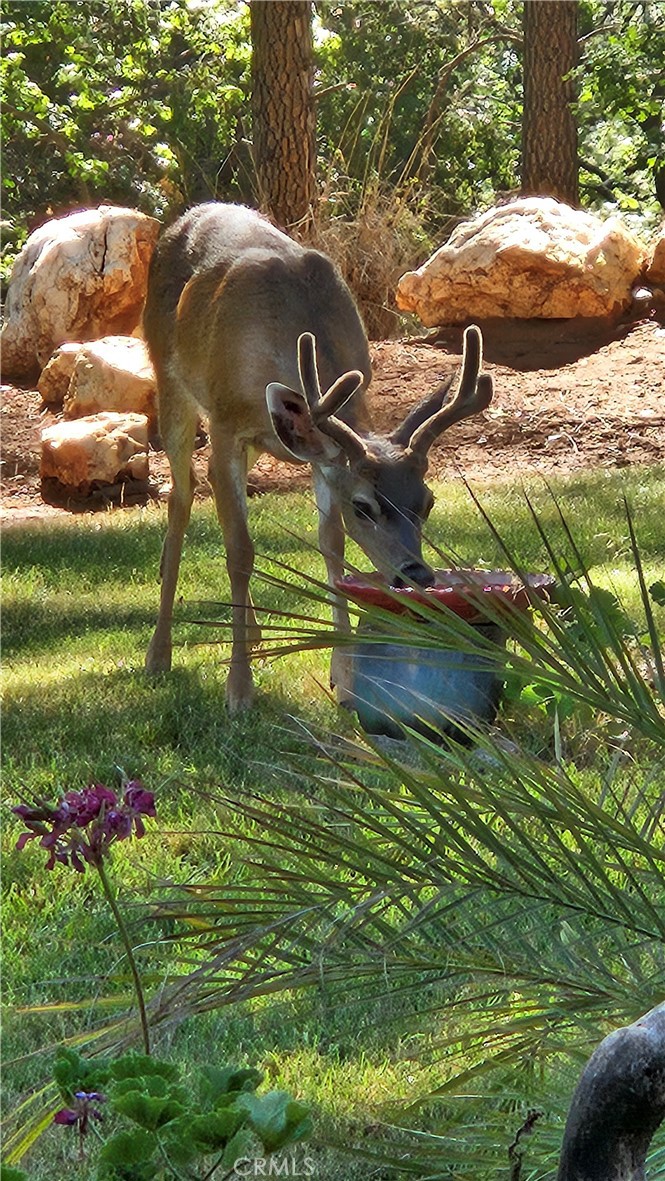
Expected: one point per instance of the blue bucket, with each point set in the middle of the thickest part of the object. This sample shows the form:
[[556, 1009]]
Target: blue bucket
[[440, 692]]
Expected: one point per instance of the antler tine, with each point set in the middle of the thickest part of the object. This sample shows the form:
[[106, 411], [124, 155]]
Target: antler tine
[[420, 414], [324, 417], [339, 393], [323, 407], [473, 394], [308, 369], [472, 359]]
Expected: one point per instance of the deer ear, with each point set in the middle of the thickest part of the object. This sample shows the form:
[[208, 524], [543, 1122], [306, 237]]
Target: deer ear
[[292, 423]]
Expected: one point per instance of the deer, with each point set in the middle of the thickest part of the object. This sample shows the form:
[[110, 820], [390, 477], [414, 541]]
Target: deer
[[262, 335]]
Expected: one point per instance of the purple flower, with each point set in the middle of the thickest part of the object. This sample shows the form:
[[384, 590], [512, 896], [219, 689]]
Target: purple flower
[[66, 1116], [83, 1112], [80, 829]]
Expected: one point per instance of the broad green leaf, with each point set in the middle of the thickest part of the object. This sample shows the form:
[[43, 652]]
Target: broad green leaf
[[276, 1117], [213, 1130], [148, 1111], [125, 1150], [227, 1082]]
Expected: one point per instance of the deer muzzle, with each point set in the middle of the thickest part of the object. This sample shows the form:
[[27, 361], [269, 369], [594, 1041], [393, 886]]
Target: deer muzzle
[[414, 573]]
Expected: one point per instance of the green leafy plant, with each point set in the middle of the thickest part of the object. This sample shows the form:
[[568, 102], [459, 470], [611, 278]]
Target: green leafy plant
[[173, 1129], [495, 910]]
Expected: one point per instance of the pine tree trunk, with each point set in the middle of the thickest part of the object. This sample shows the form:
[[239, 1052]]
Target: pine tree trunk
[[549, 132], [283, 117]]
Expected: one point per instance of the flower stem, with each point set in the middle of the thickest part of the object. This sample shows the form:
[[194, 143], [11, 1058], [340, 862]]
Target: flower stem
[[124, 935]]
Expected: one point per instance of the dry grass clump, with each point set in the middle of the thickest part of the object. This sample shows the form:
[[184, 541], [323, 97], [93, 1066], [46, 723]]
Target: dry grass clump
[[373, 244]]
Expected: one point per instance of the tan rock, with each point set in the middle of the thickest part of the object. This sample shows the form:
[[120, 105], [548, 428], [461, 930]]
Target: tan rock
[[532, 258], [114, 373], [55, 377], [77, 278], [101, 448], [656, 269]]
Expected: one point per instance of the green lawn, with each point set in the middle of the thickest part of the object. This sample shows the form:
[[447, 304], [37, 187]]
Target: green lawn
[[79, 602]]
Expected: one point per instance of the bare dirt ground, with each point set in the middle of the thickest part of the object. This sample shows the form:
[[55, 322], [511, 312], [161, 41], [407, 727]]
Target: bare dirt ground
[[567, 398]]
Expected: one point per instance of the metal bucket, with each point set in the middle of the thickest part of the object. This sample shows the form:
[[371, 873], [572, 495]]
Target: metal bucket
[[425, 689], [440, 692]]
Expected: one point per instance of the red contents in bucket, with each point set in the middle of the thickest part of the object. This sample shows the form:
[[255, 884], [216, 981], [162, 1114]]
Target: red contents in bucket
[[458, 590]]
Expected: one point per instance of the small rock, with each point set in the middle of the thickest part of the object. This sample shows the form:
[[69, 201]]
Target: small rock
[[56, 375], [114, 373], [101, 448]]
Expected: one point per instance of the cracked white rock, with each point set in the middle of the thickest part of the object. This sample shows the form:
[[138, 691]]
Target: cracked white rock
[[77, 278], [531, 258]]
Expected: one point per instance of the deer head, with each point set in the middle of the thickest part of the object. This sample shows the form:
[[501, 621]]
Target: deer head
[[376, 481]]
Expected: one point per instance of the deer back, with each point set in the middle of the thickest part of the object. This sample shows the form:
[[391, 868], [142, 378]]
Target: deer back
[[229, 295]]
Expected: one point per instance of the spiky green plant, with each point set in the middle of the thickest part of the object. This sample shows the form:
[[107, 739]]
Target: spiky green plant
[[504, 903], [514, 891]]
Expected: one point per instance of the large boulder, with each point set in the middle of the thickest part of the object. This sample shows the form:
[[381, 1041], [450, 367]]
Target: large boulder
[[533, 258], [98, 449], [114, 373], [77, 278]]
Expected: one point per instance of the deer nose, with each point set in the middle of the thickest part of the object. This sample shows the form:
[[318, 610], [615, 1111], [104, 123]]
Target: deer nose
[[414, 573]]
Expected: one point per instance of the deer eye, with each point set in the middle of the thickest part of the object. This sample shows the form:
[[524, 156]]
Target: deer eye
[[364, 510]]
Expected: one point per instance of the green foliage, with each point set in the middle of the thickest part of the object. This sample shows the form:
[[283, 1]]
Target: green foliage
[[134, 102], [73, 1073], [276, 1118], [493, 914], [521, 893], [621, 96], [588, 618], [147, 104], [128, 1156], [172, 1124], [149, 1101], [431, 99]]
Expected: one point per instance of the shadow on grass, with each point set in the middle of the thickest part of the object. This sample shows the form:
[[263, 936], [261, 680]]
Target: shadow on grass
[[170, 729], [30, 627], [123, 544], [102, 552]]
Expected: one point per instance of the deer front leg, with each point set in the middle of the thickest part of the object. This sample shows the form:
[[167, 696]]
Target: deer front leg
[[228, 476], [331, 544], [179, 443]]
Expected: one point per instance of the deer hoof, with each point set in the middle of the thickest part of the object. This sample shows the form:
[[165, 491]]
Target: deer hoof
[[341, 673], [158, 658], [239, 692]]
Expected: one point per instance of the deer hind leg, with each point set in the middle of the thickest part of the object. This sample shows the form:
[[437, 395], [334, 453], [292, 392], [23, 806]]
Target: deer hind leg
[[228, 477], [331, 544], [178, 430]]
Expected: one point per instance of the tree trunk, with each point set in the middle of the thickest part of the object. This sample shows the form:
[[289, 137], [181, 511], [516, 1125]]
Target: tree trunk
[[618, 1104], [549, 132], [284, 122]]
